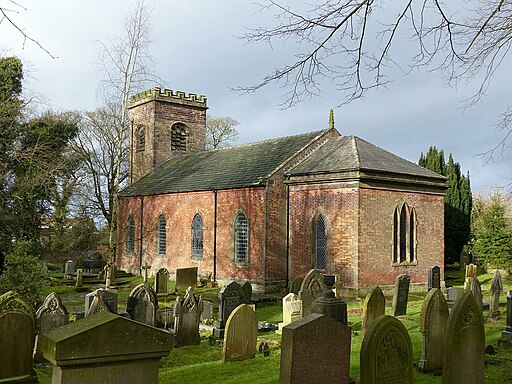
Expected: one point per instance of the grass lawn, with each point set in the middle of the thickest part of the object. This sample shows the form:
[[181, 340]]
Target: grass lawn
[[202, 364]]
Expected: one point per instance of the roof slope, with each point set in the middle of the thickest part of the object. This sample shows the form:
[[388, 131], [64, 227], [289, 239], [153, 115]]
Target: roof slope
[[349, 153], [232, 167]]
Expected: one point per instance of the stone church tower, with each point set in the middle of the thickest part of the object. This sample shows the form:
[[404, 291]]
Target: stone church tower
[[162, 124]]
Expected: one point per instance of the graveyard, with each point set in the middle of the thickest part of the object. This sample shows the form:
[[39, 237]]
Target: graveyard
[[207, 359]]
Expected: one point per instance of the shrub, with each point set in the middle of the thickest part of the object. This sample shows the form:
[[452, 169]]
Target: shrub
[[92, 259]]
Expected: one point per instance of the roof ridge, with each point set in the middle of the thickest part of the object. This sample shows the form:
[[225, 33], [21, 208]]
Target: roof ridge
[[356, 149]]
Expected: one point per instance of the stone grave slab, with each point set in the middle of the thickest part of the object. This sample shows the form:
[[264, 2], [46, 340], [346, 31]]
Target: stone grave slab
[[507, 333], [187, 313], [433, 321], [374, 306], [69, 269], [386, 353], [17, 334], [142, 305], [207, 313], [105, 345], [291, 310], [162, 282], [434, 277], [311, 289], [247, 291], [295, 285], [496, 288], [401, 295], [315, 349], [241, 334], [230, 297], [476, 289], [465, 343], [453, 293], [186, 277], [107, 296], [471, 271]]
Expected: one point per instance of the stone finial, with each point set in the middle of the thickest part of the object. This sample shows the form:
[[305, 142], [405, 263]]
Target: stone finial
[[331, 119]]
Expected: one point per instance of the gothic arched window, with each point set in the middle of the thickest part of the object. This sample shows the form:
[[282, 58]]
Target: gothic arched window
[[404, 235], [197, 237], [161, 242], [179, 137], [141, 138], [130, 235], [241, 238], [320, 243]]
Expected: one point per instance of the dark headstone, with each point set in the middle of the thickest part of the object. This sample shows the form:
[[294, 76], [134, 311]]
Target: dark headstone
[[207, 313], [108, 297], [105, 347], [142, 305], [507, 333], [295, 285], [311, 289], [374, 306], [241, 334], [465, 343], [433, 321], [401, 295], [328, 304], [434, 277], [315, 349], [187, 313], [247, 291], [186, 277], [17, 334], [162, 282], [386, 353], [230, 297]]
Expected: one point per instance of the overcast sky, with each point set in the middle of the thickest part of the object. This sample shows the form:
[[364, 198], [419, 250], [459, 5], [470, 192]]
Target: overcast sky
[[196, 49]]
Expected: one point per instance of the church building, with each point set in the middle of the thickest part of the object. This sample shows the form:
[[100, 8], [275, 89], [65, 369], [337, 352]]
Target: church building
[[270, 211]]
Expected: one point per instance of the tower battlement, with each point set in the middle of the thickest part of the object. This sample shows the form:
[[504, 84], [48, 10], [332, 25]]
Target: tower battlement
[[168, 95]]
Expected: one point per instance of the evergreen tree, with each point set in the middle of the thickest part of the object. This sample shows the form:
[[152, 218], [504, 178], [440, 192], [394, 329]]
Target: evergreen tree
[[458, 202]]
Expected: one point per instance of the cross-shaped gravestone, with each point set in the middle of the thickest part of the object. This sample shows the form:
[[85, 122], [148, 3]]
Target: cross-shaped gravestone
[[145, 268]]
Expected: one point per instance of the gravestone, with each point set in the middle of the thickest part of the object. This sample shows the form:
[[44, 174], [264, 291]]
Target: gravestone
[[465, 343], [109, 298], [401, 295], [337, 285], [106, 348], [507, 333], [471, 271], [476, 289], [315, 349], [79, 278], [144, 271], [51, 315], [240, 335], [374, 306], [186, 277], [291, 310], [329, 304], [434, 277], [386, 353], [187, 313], [230, 297], [207, 313], [142, 305], [247, 291], [17, 334], [496, 288], [295, 285], [162, 282], [433, 321], [311, 289], [453, 293], [69, 269]]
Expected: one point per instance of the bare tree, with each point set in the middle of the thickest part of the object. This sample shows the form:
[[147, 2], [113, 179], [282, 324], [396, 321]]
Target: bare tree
[[220, 132]]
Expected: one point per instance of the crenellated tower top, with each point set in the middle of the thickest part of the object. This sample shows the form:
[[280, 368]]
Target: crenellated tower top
[[168, 95]]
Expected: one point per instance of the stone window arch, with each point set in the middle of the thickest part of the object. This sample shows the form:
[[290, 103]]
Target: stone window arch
[[141, 138], [404, 235], [161, 241], [197, 237], [179, 133], [130, 235], [241, 238]]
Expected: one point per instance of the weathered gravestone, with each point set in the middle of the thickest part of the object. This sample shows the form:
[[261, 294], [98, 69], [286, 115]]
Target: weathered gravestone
[[291, 310], [434, 277], [230, 297], [51, 315], [311, 289], [186, 277], [247, 291], [295, 285], [99, 300], [496, 288], [507, 333], [187, 313], [401, 295], [241, 334], [386, 353], [476, 290], [207, 313], [162, 282], [465, 343], [453, 293], [374, 306], [69, 269], [106, 348], [471, 271], [79, 278], [433, 321], [328, 304], [142, 305], [17, 334], [315, 349]]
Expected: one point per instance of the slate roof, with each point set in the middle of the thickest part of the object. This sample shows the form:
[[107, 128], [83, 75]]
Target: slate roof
[[350, 153], [232, 167]]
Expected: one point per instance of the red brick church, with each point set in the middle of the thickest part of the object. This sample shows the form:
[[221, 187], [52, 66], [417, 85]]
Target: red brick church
[[270, 211]]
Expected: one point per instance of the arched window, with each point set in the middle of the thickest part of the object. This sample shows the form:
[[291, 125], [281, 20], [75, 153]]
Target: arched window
[[179, 137], [161, 242], [197, 237], [141, 138], [130, 235], [241, 238], [404, 235], [320, 243]]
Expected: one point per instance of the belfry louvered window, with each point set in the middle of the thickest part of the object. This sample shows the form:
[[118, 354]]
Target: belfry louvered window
[[197, 237], [179, 137], [404, 235], [320, 243], [130, 235], [161, 236], [141, 138], [241, 238]]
